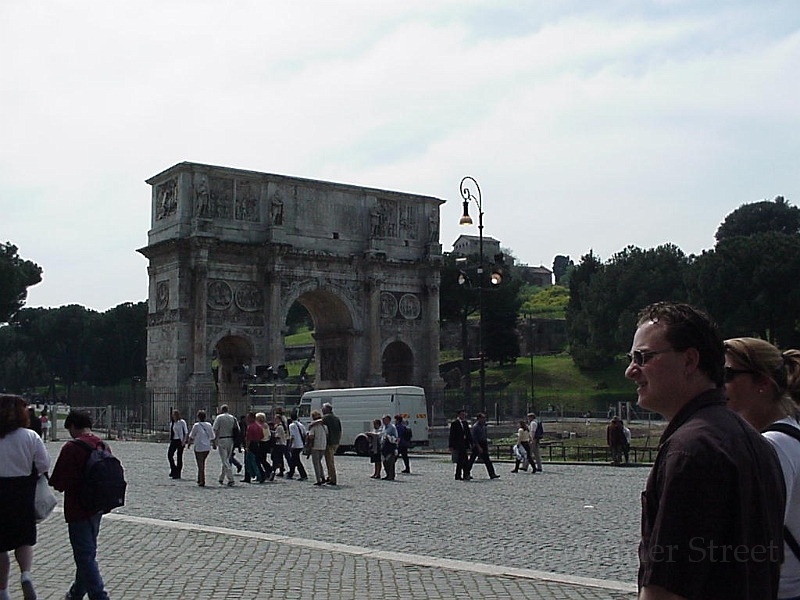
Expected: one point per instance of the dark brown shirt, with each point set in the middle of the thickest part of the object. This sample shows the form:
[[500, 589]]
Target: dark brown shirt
[[712, 510]]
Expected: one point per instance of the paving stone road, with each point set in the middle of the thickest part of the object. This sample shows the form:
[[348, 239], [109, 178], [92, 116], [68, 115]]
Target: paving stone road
[[570, 532]]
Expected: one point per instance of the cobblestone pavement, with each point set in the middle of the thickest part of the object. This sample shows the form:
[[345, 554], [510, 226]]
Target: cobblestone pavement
[[423, 536]]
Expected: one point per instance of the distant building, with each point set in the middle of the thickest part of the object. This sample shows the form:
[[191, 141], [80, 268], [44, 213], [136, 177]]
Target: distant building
[[467, 245], [541, 276]]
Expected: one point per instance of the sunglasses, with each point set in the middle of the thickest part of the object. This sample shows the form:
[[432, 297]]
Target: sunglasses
[[642, 357], [729, 373]]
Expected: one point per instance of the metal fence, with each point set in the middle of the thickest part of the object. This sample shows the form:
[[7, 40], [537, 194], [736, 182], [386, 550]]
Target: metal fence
[[559, 452], [145, 413]]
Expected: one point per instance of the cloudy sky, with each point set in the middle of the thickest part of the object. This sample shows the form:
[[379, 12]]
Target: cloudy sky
[[589, 125]]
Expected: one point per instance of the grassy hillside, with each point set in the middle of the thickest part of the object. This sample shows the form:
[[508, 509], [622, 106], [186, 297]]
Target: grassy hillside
[[558, 382], [556, 379]]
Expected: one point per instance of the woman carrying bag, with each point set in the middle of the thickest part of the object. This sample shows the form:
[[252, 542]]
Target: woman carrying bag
[[25, 459]]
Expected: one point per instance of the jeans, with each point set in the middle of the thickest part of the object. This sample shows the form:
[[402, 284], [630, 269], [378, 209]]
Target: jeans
[[83, 538]]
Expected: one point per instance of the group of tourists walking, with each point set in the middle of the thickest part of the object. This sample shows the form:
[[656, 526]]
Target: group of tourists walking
[[272, 446]]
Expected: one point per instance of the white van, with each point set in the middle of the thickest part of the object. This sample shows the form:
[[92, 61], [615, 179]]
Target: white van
[[358, 407]]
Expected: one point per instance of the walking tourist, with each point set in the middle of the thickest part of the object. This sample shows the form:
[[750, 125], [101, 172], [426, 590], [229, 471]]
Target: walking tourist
[[297, 439], [279, 434], [388, 448], [480, 446], [83, 525], [225, 433], [537, 433], [178, 434], [403, 441], [459, 443], [253, 434], [334, 427], [375, 457], [24, 460], [202, 436], [318, 434], [523, 455], [615, 438], [265, 446]]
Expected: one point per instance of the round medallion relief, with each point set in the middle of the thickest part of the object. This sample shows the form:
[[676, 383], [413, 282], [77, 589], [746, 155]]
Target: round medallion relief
[[220, 295], [249, 297], [388, 305], [409, 306]]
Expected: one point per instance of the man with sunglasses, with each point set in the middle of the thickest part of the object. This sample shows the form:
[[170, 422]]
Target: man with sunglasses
[[713, 505]]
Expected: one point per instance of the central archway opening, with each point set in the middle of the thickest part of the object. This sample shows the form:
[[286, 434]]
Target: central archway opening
[[332, 334]]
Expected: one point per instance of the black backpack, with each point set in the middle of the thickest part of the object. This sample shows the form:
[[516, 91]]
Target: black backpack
[[408, 434], [103, 479]]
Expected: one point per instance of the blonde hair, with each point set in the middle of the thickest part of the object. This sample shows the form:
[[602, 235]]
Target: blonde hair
[[261, 417], [315, 414], [781, 369]]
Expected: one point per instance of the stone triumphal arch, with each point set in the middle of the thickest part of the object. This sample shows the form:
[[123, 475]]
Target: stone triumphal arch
[[231, 250]]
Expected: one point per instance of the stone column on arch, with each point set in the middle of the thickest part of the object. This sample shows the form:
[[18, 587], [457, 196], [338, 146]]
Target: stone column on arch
[[273, 307], [435, 384], [373, 329], [200, 376]]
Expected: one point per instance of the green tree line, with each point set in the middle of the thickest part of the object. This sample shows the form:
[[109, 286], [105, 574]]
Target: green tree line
[[56, 348], [749, 283]]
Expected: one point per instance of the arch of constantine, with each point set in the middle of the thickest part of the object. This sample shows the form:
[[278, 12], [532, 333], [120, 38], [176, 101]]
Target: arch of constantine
[[231, 250]]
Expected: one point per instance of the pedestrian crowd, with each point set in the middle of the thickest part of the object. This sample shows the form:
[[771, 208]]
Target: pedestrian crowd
[[720, 514]]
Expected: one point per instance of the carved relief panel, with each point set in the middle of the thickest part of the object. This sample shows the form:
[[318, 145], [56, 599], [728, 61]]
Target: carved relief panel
[[167, 199], [333, 364], [247, 201], [221, 198], [408, 221], [162, 296]]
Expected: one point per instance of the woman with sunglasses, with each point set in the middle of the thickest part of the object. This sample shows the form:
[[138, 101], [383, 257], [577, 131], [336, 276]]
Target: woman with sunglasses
[[763, 385]]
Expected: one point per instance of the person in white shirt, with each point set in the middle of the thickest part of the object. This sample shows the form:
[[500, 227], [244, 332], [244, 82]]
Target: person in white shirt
[[226, 431], [24, 459], [297, 434], [762, 384], [178, 432], [203, 437]]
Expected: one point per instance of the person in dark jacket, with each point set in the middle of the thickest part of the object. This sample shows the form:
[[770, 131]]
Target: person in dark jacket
[[83, 525], [459, 443], [480, 446]]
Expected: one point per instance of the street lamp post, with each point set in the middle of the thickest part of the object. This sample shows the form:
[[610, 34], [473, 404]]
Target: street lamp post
[[530, 353], [467, 195]]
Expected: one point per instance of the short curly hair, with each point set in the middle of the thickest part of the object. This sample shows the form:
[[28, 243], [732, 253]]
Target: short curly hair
[[689, 327]]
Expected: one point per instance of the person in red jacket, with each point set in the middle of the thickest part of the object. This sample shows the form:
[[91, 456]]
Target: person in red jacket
[[83, 525]]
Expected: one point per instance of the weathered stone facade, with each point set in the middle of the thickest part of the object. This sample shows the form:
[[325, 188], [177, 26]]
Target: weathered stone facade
[[231, 250]]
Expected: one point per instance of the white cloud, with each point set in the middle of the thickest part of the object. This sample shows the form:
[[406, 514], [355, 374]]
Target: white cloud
[[588, 125]]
